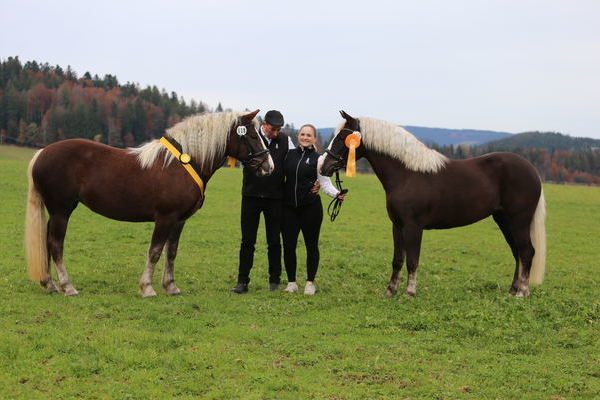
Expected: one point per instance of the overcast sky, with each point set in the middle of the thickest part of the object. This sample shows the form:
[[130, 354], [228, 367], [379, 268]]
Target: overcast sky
[[508, 65]]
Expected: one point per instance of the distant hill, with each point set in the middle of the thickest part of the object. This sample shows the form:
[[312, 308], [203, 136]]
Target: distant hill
[[441, 136], [325, 134], [543, 140]]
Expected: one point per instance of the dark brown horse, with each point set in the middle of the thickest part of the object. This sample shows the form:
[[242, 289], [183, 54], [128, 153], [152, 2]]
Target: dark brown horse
[[143, 184], [425, 190]]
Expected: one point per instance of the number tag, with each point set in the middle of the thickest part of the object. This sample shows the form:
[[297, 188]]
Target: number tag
[[241, 130]]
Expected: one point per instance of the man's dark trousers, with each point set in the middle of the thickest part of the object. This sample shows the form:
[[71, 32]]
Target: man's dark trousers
[[272, 209]]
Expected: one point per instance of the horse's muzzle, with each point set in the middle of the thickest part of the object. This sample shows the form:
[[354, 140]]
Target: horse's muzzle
[[329, 166], [262, 167]]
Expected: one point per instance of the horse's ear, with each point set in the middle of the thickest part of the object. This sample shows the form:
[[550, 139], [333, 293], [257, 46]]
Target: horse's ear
[[249, 117], [346, 116]]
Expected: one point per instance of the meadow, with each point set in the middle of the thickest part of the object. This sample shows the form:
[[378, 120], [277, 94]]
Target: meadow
[[462, 337]]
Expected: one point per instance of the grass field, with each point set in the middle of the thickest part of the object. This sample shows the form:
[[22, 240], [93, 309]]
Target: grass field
[[462, 337]]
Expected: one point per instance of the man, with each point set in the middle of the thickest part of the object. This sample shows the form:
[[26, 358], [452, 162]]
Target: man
[[264, 194]]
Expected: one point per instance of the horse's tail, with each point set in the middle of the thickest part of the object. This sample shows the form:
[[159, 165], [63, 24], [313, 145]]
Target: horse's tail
[[537, 232], [35, 230]]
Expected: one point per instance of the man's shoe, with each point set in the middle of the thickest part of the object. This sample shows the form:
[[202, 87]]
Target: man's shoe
[[273, 287], [240, 288], [292, 287]]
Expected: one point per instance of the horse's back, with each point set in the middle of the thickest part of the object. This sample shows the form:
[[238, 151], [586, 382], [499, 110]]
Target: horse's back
[[511, 163], [71, 162], [517, 180], [72, 151], [513, 172]]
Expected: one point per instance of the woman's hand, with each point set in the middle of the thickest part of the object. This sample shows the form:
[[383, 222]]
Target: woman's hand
[[316, 187]]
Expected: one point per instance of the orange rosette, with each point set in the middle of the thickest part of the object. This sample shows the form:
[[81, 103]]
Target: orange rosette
[[352, 142]]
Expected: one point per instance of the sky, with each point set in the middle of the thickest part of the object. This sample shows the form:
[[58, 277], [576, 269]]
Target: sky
[[512, 65]]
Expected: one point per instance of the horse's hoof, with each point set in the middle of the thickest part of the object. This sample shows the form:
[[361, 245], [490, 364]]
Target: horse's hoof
[[172, 290], [148, 291], [71, 292], [411, 293], [512, 291], [523, 293], [49, 286], [389, 293]]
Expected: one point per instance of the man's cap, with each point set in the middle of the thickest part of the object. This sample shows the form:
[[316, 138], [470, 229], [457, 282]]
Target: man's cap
[[274, 118]]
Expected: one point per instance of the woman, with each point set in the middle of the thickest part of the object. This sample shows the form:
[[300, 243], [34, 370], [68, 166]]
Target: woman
[[302, 208]]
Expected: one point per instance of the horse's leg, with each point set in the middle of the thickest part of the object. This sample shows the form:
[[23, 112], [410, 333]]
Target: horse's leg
[[396, 262], [49, 285], [168, 279], [503, 224], [412, 236], [162, 229], [525, 253], [57, 228]]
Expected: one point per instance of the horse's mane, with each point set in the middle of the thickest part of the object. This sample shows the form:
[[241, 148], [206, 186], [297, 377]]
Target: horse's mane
[[396, 142], [202, 136]]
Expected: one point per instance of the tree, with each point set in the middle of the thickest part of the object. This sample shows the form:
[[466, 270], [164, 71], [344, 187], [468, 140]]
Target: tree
[[64, 96], [110, 81], [70, 74], [22, 138], [59, 71], [32, 133], [14, 111], [32, 66]]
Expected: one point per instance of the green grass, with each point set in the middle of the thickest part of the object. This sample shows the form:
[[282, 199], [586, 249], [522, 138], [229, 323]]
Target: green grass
[[462, 337]]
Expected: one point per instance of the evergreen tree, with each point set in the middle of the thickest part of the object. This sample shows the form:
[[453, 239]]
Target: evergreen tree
[[32, 66], [70, 74], [59, 71]]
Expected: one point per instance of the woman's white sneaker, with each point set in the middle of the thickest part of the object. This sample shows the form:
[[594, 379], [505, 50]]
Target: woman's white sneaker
[[292, 287], [310, 288]]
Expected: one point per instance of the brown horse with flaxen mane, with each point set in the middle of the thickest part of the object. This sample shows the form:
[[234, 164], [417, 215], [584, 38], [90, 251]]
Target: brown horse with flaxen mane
[[162, 181], [425, 190]]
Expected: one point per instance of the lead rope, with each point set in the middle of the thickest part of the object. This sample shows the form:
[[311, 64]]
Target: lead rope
[[336, 204]]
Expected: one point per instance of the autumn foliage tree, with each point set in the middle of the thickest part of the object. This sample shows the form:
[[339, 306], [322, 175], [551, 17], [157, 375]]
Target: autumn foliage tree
[[40, 104]]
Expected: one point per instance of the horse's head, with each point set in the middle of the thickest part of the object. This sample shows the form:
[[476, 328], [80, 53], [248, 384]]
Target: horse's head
[[337, 152], [246, 145]]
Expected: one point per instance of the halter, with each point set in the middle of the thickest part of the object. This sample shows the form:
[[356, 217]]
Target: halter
[[241, 132], [336, 156]]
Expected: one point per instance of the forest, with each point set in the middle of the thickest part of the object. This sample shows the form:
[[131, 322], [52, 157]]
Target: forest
[[41, 104], [581, 165]]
